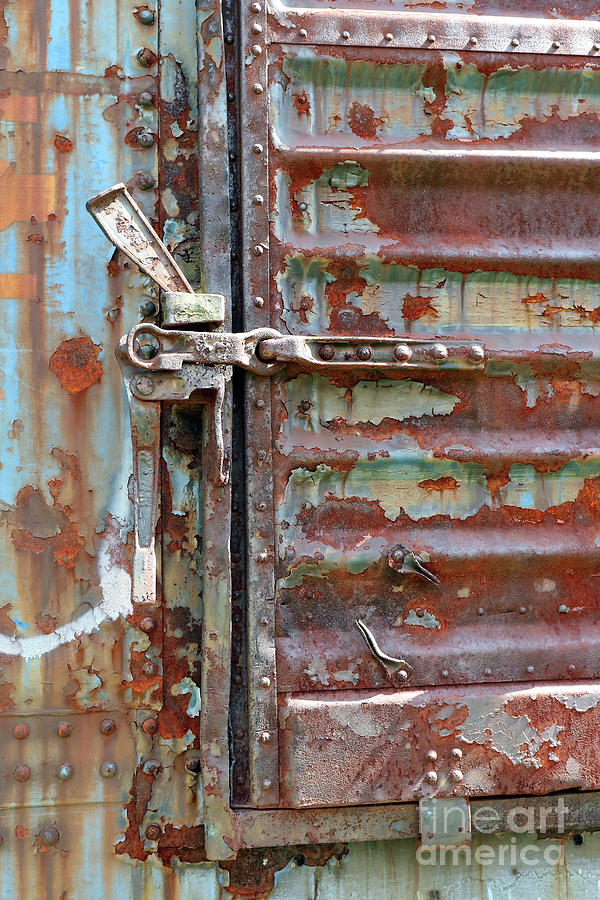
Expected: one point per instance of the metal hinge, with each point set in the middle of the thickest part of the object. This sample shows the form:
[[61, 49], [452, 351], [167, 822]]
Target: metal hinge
[[171, 363]]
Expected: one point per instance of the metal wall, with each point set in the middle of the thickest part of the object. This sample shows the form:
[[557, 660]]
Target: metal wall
[[99, 702]]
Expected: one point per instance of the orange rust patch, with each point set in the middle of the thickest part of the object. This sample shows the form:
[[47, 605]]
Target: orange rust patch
[[75, 364], [302, 104], [535, 298], [417, 307], [363, 121], [63, 144], [443, 483]]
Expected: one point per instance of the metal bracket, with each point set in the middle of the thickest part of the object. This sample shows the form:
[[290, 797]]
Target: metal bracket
[[444, 822]]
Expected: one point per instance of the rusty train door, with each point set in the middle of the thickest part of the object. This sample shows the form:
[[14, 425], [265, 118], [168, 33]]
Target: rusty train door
[[419, 467]]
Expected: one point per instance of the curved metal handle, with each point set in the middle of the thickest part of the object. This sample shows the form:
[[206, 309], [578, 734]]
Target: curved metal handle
[[402, 559], [391, 665]]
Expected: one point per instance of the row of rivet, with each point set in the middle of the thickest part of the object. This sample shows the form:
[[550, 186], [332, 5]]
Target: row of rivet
[[64, 771], [64, 729], [403, 353], [431, 39], [456, 775], [571, 669]]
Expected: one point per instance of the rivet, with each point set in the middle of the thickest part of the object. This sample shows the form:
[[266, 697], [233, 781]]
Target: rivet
[[265, 737], [258, 250], [402, 352], [431, 778], [267, 784], [151, 767], [530, 670], [263, 556], [419, 612], [255, 7], [145, 98], [229, 38], [326, 351], [49, 835], [389, 36], [256, 50], [439, 352], [431, 755], [147, 308], [146, 16], [64, 729], [146, 182], [363, 353], [192, 764], [487, 672], [108, 769], [456, 775], [261, 456], [149, 669], [22, 773], [445, 673], [258, 199], [476, 353], [571, 669], [456, 753], [260, 404], [302, 207], [480, 611], [107, 726], [257, 88], [304, 407], [515, 42], [258, 301], [145, 57], [265, 682], [403, 675], [257, 148], [473, 40], [230, 97], [20, 731], [145, 139], [147, 624], [153, 832], [261, 506], [522, 610], [64, 771], [345, 35], [563, 608], [595, 47], [256, 28], [263, 621], [430, 38], [555, 45], [143, 385], [150, 725], [303, 33]]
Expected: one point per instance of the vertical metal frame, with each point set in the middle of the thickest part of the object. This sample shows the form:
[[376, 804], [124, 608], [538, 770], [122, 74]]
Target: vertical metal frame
[[214, 226], [262, 681]]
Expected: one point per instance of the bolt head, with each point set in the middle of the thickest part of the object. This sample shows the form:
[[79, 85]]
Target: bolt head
[[431, 38], [522, 610], [346, 35], [64, 771], [146, 183], [147, 624], [49, 835], [257, 148], [260, 404], [22, 773], [256, 28], [145, 98], [563, 608], [149, 669], [445, 673], [439, 352], [20, 731], [389, 36], [487, 672], [107, 726], [257, 88], [145, 57], [267, 784], [265, 682], [402, 352], [147, 308], [403, 675], [555, 45], [431, 755], [256, 50], [431, 777], [456, 776], [530, 669], [515, 42], [303, 33], [473, 40], [476, 353], [108, 769], [456, 753], [256, 7], [480, 611], [571, 669], [258, 250], [153, 832], [263, 621], [192, 764], [150, 725], [363, 352], [151, 767], [265, 737], [64, 729], [326, 351], [146, 16]]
